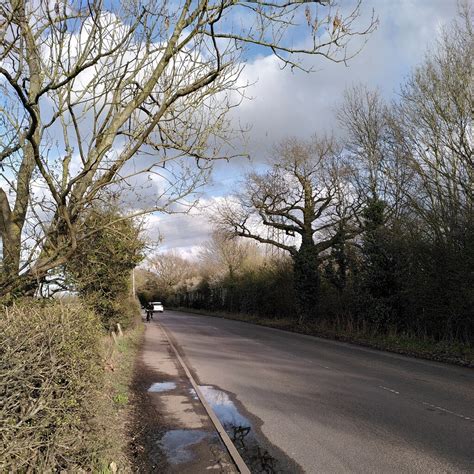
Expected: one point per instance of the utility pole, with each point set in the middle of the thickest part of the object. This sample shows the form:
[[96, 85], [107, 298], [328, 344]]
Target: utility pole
[[133, 282]]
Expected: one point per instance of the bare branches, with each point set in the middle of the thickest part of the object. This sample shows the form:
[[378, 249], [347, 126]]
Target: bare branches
[[237, 221], [433, 126], [303, 198], [99, 98], [170, 272]]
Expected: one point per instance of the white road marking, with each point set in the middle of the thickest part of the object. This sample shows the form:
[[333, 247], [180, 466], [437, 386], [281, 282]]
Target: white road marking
[[448, 411], [389, 389], [436, 407]]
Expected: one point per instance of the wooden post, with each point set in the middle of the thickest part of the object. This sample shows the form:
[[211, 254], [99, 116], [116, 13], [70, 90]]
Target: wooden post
[[119, 330]]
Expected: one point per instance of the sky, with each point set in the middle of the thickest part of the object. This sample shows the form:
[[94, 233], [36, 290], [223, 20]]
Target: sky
[[285, 103]]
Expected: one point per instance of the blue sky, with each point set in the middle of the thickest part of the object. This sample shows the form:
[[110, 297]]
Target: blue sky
[[289, 103]]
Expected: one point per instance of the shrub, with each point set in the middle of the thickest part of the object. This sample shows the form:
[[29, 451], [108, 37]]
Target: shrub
[[101, 268], [122, 309], [50, 370]]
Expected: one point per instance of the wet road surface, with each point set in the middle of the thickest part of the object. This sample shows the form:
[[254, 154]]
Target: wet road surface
[[330, 406]]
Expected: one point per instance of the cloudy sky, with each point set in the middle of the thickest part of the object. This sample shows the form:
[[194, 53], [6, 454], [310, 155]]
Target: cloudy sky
[[286, 103]]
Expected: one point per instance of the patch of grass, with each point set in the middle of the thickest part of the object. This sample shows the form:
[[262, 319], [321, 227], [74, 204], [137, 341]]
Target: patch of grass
[[121, 399], [115, 404]]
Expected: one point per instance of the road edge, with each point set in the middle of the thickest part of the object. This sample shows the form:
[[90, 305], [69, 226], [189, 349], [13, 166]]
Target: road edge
[[338, 338], [231, 449]]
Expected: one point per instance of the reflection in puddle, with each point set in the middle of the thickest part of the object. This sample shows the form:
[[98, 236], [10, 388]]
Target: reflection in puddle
[[239, 429], [193, 394], [162, 387], [177, 444], [223, 407]]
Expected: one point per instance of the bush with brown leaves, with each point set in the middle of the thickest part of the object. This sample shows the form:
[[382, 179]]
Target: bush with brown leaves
[[50, 368]]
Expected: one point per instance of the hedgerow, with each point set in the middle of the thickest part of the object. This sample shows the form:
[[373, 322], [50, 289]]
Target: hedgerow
[[50, 368]]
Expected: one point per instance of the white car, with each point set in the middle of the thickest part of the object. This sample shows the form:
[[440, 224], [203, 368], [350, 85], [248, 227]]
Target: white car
[[157, 307]]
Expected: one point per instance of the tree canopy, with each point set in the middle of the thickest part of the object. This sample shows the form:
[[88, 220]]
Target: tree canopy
[[99, 98]]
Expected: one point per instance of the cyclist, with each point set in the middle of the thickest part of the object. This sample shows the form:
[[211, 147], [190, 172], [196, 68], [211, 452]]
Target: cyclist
[[149, 311]]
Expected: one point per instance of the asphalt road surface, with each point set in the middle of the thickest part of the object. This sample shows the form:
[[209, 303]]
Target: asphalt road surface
[[335, 407]]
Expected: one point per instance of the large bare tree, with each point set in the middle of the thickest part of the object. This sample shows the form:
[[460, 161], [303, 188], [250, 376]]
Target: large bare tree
[[372, 144], [225, 254], [99, 97], [304, 204], [170, 272]]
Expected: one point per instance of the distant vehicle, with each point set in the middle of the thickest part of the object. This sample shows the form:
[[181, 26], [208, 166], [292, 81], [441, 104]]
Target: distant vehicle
[[157, 307]]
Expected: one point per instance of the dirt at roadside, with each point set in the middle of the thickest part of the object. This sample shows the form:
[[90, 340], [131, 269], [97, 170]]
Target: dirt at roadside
[[147, 425], [170, 429]]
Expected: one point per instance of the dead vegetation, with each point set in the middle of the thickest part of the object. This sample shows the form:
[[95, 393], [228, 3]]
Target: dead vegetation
[[50, 369], [63, 389]]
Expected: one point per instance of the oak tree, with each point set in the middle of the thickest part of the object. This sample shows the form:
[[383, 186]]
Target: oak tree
[[304, 204]]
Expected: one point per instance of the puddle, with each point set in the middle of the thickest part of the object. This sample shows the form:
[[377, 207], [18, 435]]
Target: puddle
[[162, 387], [177, 444], [242, 434], [193, 394], [224, 407]]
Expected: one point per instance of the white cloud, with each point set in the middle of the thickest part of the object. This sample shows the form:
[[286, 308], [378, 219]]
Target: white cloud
[[289, 103], [184, 233]]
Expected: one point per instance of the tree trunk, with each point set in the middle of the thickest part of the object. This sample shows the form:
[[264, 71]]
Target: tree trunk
[[306, 280], [18, 285], [11, 241]]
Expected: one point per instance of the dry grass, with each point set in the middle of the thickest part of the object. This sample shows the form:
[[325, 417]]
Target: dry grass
[[115, 413]]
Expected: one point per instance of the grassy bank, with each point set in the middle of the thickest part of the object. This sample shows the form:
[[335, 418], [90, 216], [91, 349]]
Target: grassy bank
[[115, 393], [441, 351]]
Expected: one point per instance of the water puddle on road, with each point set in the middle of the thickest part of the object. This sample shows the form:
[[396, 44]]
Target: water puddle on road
[[241, 432], [193, 394], [177, 444], [162, 387]]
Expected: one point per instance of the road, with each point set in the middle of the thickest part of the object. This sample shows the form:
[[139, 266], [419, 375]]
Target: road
[[334, 407]]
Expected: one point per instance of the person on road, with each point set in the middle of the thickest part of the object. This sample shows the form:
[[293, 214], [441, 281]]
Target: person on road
[[149, 311]]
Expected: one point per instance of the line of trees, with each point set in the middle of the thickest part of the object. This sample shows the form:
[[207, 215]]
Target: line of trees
[[128, 101], [377, 230]]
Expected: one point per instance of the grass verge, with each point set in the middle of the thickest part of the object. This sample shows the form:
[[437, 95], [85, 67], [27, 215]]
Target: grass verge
[[440, 351], [115, 413]]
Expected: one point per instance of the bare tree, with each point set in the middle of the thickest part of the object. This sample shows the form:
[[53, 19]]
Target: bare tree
[[226, 254], [223, 259], [307, 195], [433, 126], [373, 147], [170, 271], [302, 195], [102, 96], [363, 115]]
